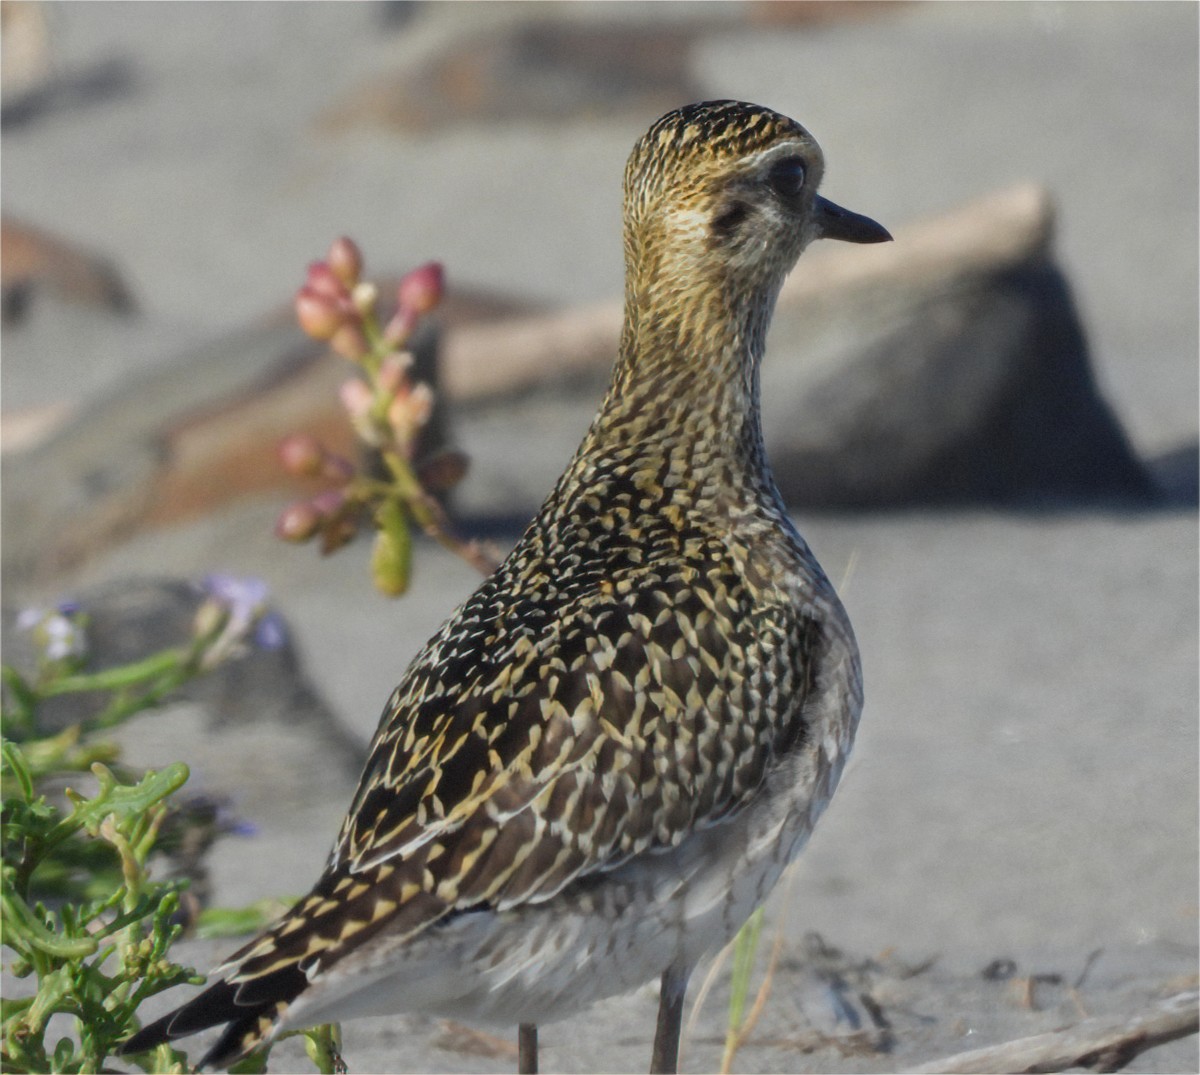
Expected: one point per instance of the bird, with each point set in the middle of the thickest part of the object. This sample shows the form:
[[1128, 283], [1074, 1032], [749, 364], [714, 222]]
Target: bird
[[602, 762]]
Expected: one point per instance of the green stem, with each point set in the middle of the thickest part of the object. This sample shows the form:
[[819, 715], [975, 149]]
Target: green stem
[[125, 705], [404, 481], [122, 676], [428, 512], [373, 334]]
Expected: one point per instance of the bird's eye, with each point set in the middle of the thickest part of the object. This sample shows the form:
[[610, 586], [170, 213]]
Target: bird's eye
[[786, 177]]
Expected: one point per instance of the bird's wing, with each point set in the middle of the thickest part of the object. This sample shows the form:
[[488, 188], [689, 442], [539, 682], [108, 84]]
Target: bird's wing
[[504, 770]]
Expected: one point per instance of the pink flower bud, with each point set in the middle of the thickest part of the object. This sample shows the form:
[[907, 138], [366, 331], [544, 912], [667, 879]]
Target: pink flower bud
[[324, 281], [319, 315], [329, 504], [420, 403], [298, 522], [331, 514], [393, 372], [421, 290], [400, 328], [359, 401], [408, 412], [302, 454], [346, 261], [350, 342], [356, 397]]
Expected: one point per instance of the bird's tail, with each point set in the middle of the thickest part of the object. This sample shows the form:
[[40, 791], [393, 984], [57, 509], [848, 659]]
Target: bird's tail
[[252, 1010], [253, 990]]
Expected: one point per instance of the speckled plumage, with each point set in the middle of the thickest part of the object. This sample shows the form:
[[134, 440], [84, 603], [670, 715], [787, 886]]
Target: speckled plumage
[[605, 758]]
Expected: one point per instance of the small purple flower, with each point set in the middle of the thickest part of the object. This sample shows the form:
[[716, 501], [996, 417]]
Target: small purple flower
[[237, 606], [270, 633], [245, 599]]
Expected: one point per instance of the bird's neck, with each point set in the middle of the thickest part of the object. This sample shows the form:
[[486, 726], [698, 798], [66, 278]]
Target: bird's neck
[[686, 382]]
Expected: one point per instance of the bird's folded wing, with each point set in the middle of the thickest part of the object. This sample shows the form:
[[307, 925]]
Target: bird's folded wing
[[503, 773]]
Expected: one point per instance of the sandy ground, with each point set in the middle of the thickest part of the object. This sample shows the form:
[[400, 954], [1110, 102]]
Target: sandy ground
[[1025, 783]]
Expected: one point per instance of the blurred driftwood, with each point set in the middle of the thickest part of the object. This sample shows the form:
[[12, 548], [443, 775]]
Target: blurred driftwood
[[34, 258], [1104, 1043]]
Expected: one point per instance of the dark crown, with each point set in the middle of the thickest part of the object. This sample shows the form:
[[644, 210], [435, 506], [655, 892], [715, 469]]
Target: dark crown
[[718, 129]]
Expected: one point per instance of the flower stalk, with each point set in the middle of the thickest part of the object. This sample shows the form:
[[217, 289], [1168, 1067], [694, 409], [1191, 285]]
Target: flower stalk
[[388, 411]]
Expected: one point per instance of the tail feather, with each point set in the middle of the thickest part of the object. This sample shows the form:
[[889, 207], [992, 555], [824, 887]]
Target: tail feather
[[242, 1036], [258, 983], [249, 1025]]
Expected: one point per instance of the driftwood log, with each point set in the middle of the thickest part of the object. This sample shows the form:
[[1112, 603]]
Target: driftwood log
[[1103, 1043]]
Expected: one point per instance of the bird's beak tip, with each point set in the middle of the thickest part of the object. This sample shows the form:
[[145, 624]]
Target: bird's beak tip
[[838, 223]]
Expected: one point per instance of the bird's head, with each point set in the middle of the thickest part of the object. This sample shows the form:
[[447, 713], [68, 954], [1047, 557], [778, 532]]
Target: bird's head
[[725, 193]]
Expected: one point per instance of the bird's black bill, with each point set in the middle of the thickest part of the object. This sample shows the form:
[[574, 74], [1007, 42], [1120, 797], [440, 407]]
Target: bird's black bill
[[839, 223]]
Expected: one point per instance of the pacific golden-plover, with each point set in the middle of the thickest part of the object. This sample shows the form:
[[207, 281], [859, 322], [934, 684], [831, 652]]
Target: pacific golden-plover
[[603, 761]]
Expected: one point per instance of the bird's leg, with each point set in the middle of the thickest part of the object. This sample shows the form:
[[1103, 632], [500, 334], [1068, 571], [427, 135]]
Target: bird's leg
[[527, 1049], [664, 1060]]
